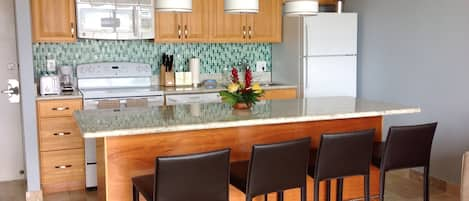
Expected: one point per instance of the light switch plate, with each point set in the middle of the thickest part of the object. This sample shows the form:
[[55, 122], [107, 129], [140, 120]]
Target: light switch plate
[[261, 66]]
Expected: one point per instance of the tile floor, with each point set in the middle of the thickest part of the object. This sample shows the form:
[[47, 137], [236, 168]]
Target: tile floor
[[399, 188]]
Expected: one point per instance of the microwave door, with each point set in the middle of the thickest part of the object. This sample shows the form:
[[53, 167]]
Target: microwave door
[[146, 22], [96, 21], [127, 27]]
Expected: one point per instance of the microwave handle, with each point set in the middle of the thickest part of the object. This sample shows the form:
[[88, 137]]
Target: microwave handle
[[135, 21]]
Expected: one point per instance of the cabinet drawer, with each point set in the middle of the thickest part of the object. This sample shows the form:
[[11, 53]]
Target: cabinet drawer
[[58, 108], [59, 133], [62, 170]]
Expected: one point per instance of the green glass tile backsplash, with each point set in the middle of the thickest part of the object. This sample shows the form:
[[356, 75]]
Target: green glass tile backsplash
[[214, 57]]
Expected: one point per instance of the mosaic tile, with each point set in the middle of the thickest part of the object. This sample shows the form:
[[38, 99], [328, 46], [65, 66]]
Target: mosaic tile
[[214, 57]]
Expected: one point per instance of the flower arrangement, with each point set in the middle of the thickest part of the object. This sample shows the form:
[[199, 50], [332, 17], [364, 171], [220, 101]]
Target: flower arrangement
[[242, 95]]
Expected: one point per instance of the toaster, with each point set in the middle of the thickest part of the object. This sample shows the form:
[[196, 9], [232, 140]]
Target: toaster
[[49, 85]]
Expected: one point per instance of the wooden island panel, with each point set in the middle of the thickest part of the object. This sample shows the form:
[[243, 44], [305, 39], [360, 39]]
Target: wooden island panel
[[121, 158]]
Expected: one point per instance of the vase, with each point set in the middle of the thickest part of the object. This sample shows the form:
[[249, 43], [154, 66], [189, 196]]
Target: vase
[[242, 106]]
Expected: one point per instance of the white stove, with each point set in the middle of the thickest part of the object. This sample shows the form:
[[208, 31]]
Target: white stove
[[114, 86]]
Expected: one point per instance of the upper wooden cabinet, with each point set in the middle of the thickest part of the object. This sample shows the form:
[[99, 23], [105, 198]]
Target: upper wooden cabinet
[[265, 26], [53, 20], [185, 27]]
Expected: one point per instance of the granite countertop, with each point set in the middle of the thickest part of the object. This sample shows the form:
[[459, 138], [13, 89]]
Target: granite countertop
[[63, 96], [136, 121], [195, 90]]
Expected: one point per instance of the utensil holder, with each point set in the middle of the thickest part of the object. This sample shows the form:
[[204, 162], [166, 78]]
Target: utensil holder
[[167, 78]]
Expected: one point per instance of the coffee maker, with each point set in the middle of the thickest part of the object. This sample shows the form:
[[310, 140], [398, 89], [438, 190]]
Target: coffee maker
[[66, 78]]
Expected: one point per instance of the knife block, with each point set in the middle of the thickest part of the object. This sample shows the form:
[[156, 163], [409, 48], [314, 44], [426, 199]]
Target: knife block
[[167, 78]]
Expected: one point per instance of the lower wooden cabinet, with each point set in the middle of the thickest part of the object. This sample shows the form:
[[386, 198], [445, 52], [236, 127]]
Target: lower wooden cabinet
[[280, 94], [62, 155], [62, 170]]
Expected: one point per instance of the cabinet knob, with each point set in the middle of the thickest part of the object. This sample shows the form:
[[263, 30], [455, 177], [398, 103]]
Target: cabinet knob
[[60, 108], [62, 133], [63, 166], [186, 31], [179, 31], [244, 32], [250, 32], [72, 29]]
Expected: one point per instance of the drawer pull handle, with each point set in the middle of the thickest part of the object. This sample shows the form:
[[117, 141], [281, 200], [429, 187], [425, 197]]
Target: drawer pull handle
[[63, 166], [60, 108], [62, 134]]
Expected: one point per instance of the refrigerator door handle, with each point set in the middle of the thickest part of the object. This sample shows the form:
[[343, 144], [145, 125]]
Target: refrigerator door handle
[[306, 51]]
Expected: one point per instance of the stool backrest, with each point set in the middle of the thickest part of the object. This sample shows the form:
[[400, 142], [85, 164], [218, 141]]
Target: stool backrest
[[465, 178], [408, 146], [275, 167], [196, 177], [344, 154]]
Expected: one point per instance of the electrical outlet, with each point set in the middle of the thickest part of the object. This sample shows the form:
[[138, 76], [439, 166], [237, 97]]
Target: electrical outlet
[[261, 66]]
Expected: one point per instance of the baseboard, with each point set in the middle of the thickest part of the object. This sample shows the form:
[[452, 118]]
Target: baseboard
[[435, 182], [34, 196]]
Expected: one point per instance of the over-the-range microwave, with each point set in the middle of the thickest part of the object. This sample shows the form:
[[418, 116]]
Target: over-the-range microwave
[[115, 19]]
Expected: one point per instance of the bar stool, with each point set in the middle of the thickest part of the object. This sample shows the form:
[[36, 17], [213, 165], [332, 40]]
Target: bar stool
[[196, 177], [342, 155], [273, 168], [405, 147]]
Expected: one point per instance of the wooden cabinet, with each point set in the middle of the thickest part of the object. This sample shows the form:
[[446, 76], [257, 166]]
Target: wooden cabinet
[[280, 94], [184, 27], [61, 146], [53, 20], [265, 26]]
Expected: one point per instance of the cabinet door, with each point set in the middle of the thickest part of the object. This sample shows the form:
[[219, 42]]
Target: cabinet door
[[53, 20], [169, 27], [226, 27], [266, 26], [196, 24]]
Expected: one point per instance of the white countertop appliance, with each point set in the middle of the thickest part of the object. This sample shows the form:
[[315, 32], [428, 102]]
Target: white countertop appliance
[[114, 86], [318, 54], [49, 85], [115, 20]]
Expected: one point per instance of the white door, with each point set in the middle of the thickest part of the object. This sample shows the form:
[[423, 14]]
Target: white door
[[331, 76], [11, 141], [331, 34]]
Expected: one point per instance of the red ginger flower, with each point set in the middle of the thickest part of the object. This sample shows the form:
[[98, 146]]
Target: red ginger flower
[[234, 75], [248, 78]]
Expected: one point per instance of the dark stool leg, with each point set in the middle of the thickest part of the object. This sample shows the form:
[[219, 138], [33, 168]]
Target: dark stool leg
[[248, 198], [316, 190], [303, 193], [280, 196], [135, 193], [367, 187], [382, 182], [328, 190], [266, 197], [339, 189], [426, 184]]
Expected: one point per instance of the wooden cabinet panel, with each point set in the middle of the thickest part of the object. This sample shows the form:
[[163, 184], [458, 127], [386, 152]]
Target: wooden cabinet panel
[[168, 26], [59, 133], [226, 27], [266, 26], [196, 24], [58, 108], [53, 20], [280, 94], [62, 170]]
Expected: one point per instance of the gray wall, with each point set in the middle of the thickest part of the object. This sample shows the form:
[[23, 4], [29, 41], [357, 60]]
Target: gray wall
[[28, 97], [417, 53]]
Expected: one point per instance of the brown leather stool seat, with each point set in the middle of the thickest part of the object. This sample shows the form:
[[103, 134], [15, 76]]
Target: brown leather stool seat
[[405, 147], [273, 168], [341, 155], [195, 177]]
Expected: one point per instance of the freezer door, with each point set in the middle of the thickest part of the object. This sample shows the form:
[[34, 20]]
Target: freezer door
[[331, 34], [331, 76]]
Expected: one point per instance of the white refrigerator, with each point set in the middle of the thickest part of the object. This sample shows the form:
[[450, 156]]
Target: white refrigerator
[[318, 54]]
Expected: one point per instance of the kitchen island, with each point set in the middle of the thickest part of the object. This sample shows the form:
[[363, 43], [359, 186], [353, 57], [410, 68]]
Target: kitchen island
[[128, 140]]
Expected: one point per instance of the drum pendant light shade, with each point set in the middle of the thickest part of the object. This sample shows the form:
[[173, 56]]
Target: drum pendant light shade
[[301, 7], [182, 6], [241, 6]]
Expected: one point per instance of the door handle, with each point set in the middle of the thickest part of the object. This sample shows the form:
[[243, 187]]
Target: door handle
[[186, 31], [63, 166], [60, 108], [72, 29], [62, 134], [179, 31], [244, 32], [13, 91], [250, 32]]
